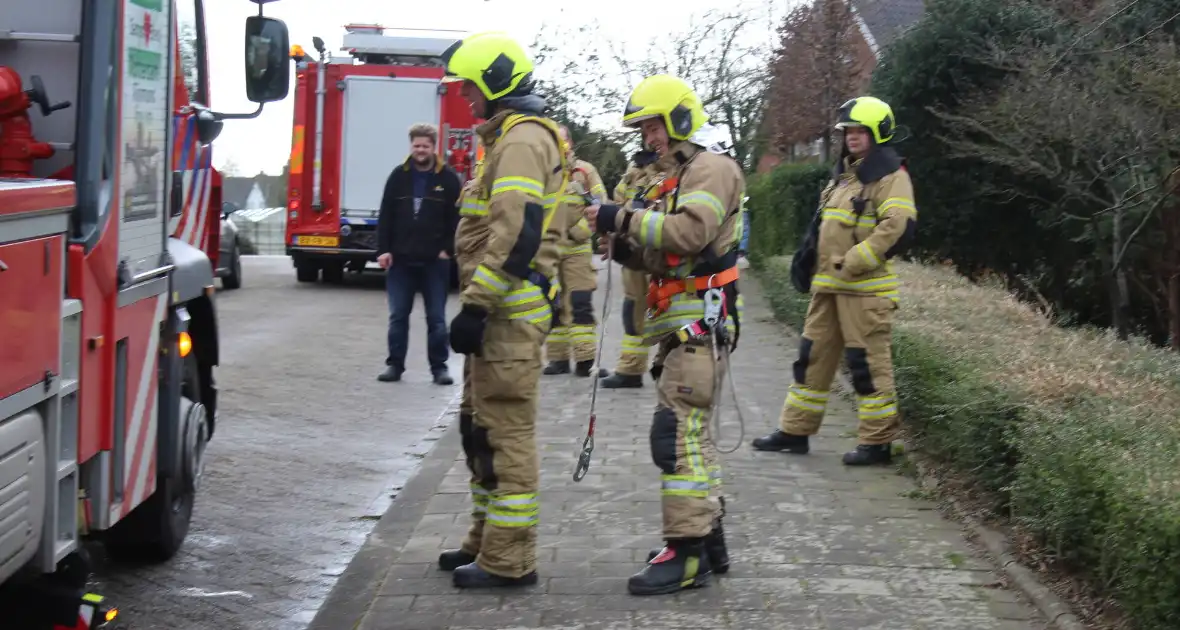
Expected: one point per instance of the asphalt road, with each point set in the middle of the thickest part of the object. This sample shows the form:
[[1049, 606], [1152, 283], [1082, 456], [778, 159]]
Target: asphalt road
[[309, 451]]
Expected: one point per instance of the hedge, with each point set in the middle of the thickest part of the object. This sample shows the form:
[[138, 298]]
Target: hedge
[[1073, 432], [781, 203]]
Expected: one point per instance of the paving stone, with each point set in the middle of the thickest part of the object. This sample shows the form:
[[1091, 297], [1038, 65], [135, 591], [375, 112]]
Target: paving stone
[[814, 545]]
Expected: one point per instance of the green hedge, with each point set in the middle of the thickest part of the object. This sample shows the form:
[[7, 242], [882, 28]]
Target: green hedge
[[781, 203], [1095, 478]]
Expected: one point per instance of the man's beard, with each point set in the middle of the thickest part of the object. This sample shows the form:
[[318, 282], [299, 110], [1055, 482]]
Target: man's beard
[[423, 161]]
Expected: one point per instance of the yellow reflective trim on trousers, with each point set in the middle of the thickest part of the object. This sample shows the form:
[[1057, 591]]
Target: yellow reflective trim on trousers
[[581, 331], [868, 254], [692, 444], [491, 280], [473, 208], [633, 344], [651, 229], [479, 500], [811, 400], [685, 485], [704, 198], [526, 185], [872, 286], [848, 218], [874, 407], [559, 334], [513, 510]]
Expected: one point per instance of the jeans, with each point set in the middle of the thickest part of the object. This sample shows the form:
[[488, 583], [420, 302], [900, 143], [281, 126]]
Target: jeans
[[403, 281], [745, 244]]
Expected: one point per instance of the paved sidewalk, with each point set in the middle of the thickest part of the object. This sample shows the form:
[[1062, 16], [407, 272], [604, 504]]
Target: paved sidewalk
[[814, 545]]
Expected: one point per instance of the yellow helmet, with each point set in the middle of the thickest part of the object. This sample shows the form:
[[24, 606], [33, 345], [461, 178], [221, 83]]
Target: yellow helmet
[[669, 98], [492, 60], [867, 111]]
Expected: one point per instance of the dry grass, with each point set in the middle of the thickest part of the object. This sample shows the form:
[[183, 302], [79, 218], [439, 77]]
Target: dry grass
[[1023, 349]]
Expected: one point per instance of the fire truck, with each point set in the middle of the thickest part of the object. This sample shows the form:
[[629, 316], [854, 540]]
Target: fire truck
[[108, 331], [351, 123]]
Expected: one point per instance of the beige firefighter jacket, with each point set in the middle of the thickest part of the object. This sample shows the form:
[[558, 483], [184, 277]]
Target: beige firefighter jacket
[[867, 210], [704, 222], [506, 234], [576, 233], [695, 220]]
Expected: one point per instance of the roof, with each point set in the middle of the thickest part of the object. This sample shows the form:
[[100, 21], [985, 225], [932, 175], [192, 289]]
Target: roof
[[236, 189], [886, 19]]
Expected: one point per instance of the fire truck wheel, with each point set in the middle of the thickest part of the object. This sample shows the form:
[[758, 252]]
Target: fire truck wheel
[[306, 272], [154, 530], [333, 272]]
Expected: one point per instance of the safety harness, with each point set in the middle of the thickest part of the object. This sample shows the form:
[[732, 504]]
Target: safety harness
[[714, 280]]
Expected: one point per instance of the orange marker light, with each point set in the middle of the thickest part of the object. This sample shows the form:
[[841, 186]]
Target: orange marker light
[[185, 343]]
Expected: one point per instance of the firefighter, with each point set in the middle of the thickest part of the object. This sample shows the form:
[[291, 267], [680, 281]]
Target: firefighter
[[506, 247], [574, 332], [633, 359], [868, 213], [690, 250]]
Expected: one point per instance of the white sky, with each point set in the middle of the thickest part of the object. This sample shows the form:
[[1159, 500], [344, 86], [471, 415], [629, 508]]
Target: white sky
[[263, 143]]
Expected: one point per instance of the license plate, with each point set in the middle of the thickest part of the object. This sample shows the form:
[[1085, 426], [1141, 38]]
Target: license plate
[[317, 241]]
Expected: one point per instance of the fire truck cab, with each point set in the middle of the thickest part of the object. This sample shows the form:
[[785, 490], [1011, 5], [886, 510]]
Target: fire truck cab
[[108, 241], [351, 123]]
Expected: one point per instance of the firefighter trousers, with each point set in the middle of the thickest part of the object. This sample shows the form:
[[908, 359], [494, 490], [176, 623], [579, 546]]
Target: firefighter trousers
[[681, 444], [575, 326], [859, 328], [497, 423], [633, 358]]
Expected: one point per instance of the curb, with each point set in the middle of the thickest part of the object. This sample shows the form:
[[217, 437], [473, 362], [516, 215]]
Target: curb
[[353, 594], [1059, 614]]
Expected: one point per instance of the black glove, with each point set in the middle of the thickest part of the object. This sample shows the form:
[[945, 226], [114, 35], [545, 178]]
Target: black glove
[[467, 330], [621, 250], [606, 218]]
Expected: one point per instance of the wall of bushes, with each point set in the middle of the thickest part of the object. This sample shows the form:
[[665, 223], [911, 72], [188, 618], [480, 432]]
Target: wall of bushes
[[1089, 479], [781, 204]]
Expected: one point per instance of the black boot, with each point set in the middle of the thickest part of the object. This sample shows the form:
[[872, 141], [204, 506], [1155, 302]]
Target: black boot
[[442, 377], [556, 367], [391, 373], [583, 368], [779, 441], [621, 381], [681, 564], [471, 576], [714, 547], [869, 454], [453, 559]]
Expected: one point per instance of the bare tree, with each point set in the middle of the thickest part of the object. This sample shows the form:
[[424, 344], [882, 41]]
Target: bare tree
[[722, 54], [1094, 152]]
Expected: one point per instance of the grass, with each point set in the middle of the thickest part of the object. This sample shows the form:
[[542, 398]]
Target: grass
[[1073, 434]]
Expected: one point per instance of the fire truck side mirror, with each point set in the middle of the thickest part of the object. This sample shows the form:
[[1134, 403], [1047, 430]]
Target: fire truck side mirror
[[268, 70]]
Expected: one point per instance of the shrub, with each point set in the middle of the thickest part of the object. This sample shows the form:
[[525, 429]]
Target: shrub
[[1074, 432], [782, 201]]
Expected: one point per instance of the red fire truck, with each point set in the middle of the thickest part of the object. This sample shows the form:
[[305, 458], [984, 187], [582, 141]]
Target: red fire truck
[[352, 117], [108, 332]]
